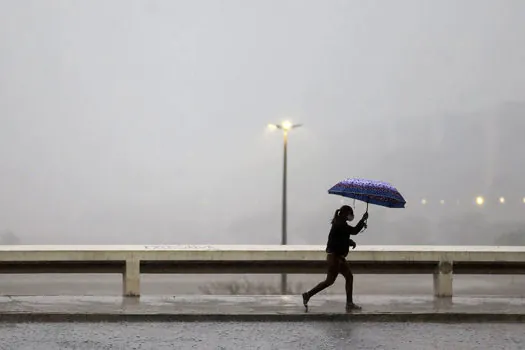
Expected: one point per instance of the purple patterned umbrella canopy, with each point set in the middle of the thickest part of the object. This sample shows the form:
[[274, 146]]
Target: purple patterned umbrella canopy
[[370, 191]]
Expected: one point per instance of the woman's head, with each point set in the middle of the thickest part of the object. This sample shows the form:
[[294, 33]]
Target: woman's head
[[345, 213]]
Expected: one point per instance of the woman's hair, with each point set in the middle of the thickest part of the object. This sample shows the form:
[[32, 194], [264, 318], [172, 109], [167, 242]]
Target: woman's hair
[[344, 209]]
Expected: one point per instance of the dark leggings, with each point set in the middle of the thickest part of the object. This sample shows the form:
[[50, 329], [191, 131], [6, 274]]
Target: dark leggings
[[336, 265]]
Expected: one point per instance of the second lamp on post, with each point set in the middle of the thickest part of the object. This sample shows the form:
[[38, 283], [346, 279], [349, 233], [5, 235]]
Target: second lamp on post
[[285, 126]]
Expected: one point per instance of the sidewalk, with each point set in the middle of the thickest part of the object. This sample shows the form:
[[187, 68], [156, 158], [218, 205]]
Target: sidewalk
[[257, 309]]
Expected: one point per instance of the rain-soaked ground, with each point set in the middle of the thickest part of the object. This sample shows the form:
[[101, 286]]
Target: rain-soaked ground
[[247, 336], [258, 308], [62, 295]]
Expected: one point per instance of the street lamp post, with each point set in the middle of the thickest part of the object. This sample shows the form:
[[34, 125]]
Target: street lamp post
[[285, 127]]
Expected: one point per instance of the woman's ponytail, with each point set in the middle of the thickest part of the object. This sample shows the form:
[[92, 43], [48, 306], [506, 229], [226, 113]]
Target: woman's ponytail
[[336, 215]]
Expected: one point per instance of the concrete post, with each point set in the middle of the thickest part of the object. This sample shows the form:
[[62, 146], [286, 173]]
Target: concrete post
[[131, 278], [443, 277]]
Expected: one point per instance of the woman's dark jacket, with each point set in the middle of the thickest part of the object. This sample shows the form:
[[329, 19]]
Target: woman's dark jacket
[[339, 237]]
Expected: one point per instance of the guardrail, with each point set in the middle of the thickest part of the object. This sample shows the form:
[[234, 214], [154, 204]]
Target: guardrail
[[132, 261]]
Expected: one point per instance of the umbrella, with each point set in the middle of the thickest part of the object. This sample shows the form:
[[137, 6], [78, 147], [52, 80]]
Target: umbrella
[[369, 191]]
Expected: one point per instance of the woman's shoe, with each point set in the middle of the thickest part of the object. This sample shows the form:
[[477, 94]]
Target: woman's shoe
[[353, 307], [306, 298]]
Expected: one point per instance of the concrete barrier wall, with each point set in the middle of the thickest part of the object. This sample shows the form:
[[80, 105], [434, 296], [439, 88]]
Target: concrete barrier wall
[[444, 257]]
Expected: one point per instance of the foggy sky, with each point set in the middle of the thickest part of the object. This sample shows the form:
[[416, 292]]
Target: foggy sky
[[145, 121]]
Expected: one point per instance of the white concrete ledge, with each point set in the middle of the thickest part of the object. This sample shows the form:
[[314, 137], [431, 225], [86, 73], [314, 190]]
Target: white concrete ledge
[[243, 247], [258, 253]]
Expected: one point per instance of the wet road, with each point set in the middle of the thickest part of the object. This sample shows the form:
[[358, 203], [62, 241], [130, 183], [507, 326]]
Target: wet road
[[252, 335], [281, 336]]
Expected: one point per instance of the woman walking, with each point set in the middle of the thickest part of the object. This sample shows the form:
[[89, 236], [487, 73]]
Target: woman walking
[[337, 248]]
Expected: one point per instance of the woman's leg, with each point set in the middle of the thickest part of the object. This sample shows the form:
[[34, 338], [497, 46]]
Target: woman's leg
[[349, 286], [331, 275]]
